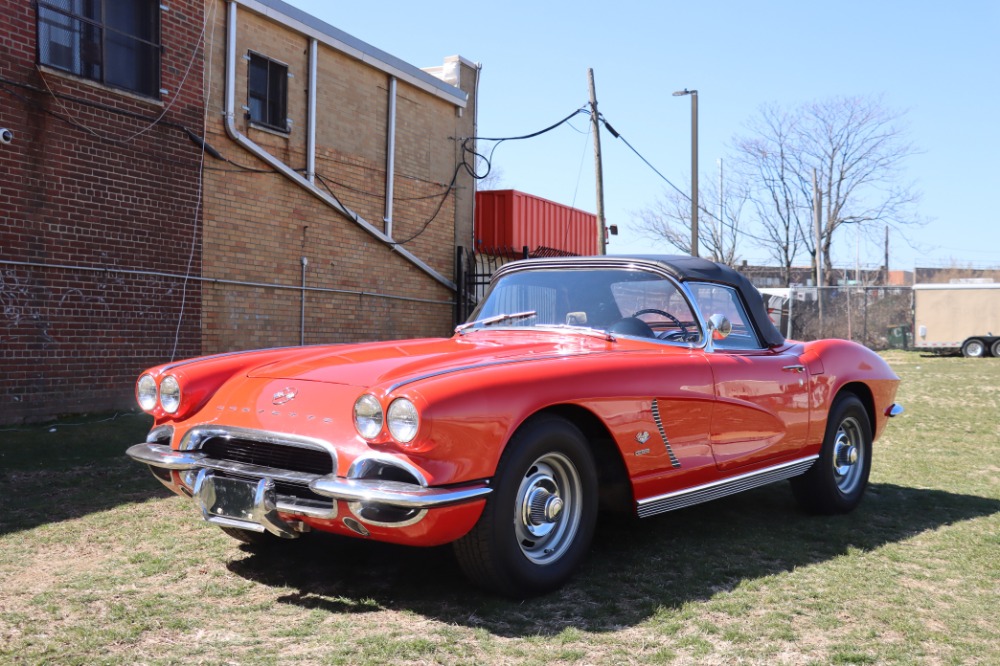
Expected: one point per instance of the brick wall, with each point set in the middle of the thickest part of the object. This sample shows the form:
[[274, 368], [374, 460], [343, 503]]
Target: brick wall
[[98, 209]]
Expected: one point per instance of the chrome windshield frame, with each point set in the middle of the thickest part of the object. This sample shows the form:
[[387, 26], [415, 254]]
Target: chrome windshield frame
[[598, 263]]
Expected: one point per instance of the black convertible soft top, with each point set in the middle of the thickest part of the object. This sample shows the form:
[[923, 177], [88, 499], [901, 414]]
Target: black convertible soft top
[[685, 269], [696, 269]]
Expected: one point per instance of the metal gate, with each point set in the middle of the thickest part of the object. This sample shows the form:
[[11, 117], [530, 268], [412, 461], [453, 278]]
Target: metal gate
[[474, 271]]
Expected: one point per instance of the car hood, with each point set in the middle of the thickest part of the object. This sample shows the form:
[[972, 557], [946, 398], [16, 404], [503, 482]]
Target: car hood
[[393, 362]]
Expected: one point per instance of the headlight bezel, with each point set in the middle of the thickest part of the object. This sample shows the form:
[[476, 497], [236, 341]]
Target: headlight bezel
[[148, 397], [403, 420], [170, 394], [369, 417]]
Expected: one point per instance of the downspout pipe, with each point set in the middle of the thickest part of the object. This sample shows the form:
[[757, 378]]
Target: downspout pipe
[[390, 156], [287, 171], [311, 120]]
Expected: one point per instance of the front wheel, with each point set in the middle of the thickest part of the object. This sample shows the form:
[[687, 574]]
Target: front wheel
[[837, 480], [539, 520]]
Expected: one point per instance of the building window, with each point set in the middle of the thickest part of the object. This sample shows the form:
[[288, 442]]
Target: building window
[[114, 42], [267, 92]]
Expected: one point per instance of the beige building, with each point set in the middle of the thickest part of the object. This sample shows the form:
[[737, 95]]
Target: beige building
[[337, 209]]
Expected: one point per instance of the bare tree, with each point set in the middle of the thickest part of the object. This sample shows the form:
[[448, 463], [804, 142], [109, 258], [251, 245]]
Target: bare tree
[[493, 180], [858, 149], [769, 159], [669, 219]]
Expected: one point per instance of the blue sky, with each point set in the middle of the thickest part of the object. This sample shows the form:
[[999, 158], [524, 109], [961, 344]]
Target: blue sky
[[940, 63]]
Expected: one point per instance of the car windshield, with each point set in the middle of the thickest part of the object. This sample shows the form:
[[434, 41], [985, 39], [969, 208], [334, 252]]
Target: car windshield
[[627, 302]]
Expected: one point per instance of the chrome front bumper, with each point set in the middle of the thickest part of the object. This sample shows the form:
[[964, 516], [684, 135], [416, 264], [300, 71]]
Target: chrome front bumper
[[399, 495]]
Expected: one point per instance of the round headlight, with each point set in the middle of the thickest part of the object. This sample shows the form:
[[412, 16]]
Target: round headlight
[[403, 420], [145, 392], [170, 394], [368, 416]]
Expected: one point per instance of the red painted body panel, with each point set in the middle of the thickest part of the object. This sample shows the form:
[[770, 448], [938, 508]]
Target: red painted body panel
[[720, 411]]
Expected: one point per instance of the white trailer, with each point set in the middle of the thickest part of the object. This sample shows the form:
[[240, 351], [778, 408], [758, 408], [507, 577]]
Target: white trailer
[[957, 317]]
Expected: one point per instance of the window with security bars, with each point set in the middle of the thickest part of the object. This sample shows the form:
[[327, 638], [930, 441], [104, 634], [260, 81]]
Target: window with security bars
[[114, 42], [267, 92]]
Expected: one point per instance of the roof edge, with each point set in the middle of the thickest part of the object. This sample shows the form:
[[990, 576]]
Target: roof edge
[[337, 39]]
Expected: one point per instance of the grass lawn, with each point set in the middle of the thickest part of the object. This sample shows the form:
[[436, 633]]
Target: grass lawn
[[100, 565]]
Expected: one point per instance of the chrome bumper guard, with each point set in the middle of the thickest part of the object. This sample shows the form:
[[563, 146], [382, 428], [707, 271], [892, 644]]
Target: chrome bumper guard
[[395, 494], [257, 512]]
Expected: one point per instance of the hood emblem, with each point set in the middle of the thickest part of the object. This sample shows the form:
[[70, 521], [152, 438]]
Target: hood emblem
[[284, 395]]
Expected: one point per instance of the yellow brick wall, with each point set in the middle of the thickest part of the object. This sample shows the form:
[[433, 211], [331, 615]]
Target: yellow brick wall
[[259, 225]]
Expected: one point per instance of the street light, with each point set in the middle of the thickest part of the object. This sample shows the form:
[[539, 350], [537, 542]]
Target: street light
[[694, 166]]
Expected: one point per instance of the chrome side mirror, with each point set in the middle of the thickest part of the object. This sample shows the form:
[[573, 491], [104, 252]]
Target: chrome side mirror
[[719, 328]]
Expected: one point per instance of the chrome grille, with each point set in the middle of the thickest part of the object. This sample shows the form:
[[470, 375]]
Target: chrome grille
[[269, 454]]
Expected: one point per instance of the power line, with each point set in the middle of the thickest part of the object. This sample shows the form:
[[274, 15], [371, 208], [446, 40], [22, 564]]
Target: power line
[[681, 192]]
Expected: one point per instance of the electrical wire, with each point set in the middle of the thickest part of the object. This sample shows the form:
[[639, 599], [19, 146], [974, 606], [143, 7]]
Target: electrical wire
[[444, 197], [195, 226], [701, 208], [466, 151], [54, 426]]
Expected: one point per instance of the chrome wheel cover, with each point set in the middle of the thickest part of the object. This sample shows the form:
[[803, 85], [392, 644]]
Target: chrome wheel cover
[[548, 508], [849, 451]]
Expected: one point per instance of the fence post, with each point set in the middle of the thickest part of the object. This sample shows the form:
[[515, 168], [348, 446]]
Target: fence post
[[460, 296], [864, 340], [791, 299]]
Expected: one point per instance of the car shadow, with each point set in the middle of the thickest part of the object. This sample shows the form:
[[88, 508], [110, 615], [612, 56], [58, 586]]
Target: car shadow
[[635, 567], [46, 496]]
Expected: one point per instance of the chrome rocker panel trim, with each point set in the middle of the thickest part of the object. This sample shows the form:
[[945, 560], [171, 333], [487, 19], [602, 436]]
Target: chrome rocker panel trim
[[680, 499], [371, 491]]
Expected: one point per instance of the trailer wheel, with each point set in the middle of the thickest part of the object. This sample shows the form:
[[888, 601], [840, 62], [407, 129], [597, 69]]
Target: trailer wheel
[[995, 349], [973, 348]]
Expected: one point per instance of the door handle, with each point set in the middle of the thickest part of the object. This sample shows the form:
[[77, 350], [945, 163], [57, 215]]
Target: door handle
[[795, 368]]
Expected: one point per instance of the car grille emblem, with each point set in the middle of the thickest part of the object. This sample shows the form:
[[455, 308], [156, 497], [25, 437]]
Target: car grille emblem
[[284, 395]]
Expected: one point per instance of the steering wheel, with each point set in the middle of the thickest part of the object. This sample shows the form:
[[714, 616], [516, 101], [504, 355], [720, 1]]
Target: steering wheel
[[683, 333]]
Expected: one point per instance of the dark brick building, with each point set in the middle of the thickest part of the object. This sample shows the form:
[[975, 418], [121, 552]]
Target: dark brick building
[[98, 200]]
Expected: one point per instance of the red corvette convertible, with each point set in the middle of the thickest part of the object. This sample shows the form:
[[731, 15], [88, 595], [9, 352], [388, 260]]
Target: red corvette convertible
[[639, 383]]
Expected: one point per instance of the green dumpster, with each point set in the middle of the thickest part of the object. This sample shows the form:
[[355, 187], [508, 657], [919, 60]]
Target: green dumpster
[[899, 336]]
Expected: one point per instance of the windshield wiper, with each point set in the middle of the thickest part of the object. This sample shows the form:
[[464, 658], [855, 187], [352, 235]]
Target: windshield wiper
[[586, 330], [495, 319]]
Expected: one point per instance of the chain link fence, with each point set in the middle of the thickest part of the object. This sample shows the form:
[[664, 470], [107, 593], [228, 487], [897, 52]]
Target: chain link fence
[[877, 317]]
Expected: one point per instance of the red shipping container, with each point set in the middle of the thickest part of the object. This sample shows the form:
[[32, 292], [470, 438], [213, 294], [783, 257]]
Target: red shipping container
[[510, 220]]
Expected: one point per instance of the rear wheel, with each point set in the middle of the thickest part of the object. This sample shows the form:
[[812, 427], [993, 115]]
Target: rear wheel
[[995, 349], [973, 348], [539, 520], [837, 480]]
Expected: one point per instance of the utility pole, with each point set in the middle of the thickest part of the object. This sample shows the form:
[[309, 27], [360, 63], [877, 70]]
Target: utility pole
[[721, 233], [694, 166], [598, 170], [817, 217]]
